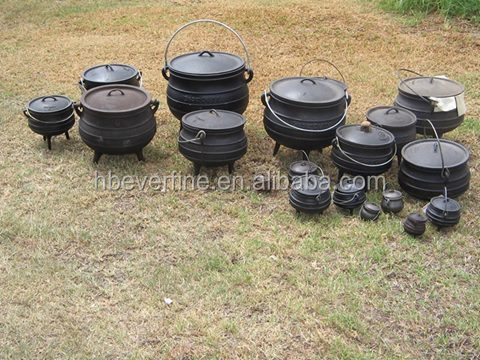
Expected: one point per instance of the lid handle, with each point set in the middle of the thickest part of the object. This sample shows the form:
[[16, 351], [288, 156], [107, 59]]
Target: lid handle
[[324, 61], [109, 67], [115, 90], [213, 111], [49, 97], [308, 79], [247, 64], [366, 126], [392, 109], [206, 52]]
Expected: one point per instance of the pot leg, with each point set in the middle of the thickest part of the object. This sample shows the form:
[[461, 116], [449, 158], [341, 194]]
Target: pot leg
[[67, 135], [276, 148], [340, 175], [305, 154], [399, 159], [196, 169], [231, 167], [49, 142], [139, 154], [351, 212], [44, 138], [96, 157]]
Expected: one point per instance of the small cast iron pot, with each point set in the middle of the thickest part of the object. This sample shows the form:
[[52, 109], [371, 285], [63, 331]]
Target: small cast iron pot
[[438, 99], [414, 224], [399, 121], [50, 116], [392, 201], [117, 119], [300, 168], [349, 195], [207, 79], [443, 211], [370, 211], [212, 138], [110, 74], [310, 194]]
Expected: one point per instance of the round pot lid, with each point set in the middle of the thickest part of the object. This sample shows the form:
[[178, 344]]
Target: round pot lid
[[213, 120], [311, 185], [426, 153], [206, 63], [308, 90], [115, 98], [49, 104], [431, 87], [350, 186], [303, 167], [371, 207], [448, 205], [416, 218], [392, 195], [391, 117], [365, 135], [110, 73]]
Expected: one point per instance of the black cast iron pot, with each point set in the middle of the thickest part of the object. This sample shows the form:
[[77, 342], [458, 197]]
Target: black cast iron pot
[[414, 224], [117, 119], [437, 99], [109, 74], [310, 194], [392, 201], [370, 211], [349, 194], [303, 113], [212, 138], [50, 116], [363, 149], [207, 79], [443, 211]]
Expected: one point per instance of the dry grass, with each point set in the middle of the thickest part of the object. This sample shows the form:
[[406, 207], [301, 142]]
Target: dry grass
[[83, 273]]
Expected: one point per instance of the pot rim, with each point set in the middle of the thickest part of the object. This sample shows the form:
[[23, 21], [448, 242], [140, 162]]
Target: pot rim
[[70, 105]]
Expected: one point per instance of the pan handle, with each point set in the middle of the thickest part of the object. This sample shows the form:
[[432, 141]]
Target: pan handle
[[324, 61]]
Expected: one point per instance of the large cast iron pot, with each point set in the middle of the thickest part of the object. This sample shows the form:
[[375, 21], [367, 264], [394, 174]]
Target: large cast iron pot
[[363, 149], [207, 79], [303, 112], [212, 138], [438, 99], [110, 74], [117, 119], [49, 116], [400, 122]]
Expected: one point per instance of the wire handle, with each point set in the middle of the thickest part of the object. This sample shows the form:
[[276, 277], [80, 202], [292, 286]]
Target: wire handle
[[346, 202], [267, 103], [445, 174], [29, 115], [325, 61], [247, 64], [200, 136], [336, 143]]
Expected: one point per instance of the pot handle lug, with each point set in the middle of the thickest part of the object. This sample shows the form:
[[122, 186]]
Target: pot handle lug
[[25, 112], [263, 98], [78, 108], [154, 104], [324, 61], [247, 62], [81, 86], [250, 75], [140, 79], [165, 74]]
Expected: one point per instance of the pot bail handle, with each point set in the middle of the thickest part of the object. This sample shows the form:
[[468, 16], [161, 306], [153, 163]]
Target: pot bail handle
[[336, 144], [248, 66], [445, 174], [324, 61], [201, 135], [399, 76], [115, 90]]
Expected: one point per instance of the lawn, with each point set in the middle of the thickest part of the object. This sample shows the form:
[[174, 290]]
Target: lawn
[[84, 272]]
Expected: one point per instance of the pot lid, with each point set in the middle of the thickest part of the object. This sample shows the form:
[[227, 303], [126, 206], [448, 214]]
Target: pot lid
[[416, 218], [309, 90], [392, 195], [348, 185], [49, 104], [311, 185], [206, 63], [303, 167], [426, 153], [391, 116], [371, 207], [445, 204], [365, 134], [431, 86], [109, 73], [115, 98], [213, 120]]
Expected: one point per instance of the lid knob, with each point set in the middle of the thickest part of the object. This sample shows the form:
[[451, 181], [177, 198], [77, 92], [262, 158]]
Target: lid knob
[[365, 126]]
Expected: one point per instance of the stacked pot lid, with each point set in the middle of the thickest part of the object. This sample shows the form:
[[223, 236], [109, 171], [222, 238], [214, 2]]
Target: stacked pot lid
[[414, 224], [430, 165], [300, 168], [363, 149], [310, 194], [443, 211], [349, 194], [438, 99], [110, 74]]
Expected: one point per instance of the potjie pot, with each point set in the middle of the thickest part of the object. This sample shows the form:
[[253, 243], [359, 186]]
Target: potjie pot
[[430, 165], [50, 116], [414, 224], [212, 138], [300, 168], [443, 211], [392, 201], [437, 99], [207, 79], [349, 195], [400, 122], [363, 149], [109, 74], [117, 119], [310, 194], [370, 211], [303, 112]]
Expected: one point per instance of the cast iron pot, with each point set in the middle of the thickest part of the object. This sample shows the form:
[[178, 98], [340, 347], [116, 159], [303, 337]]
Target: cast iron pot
[[50, 116], [370, 211], [303, 113], [207, 79], [392, 201], [310, 194], [414, 224], [363, 149], [117, 119], [110, 74], [438, 99], [300, 168], [212, 138], [400, 122], [430, 165], [349, 195], [443, 211]]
